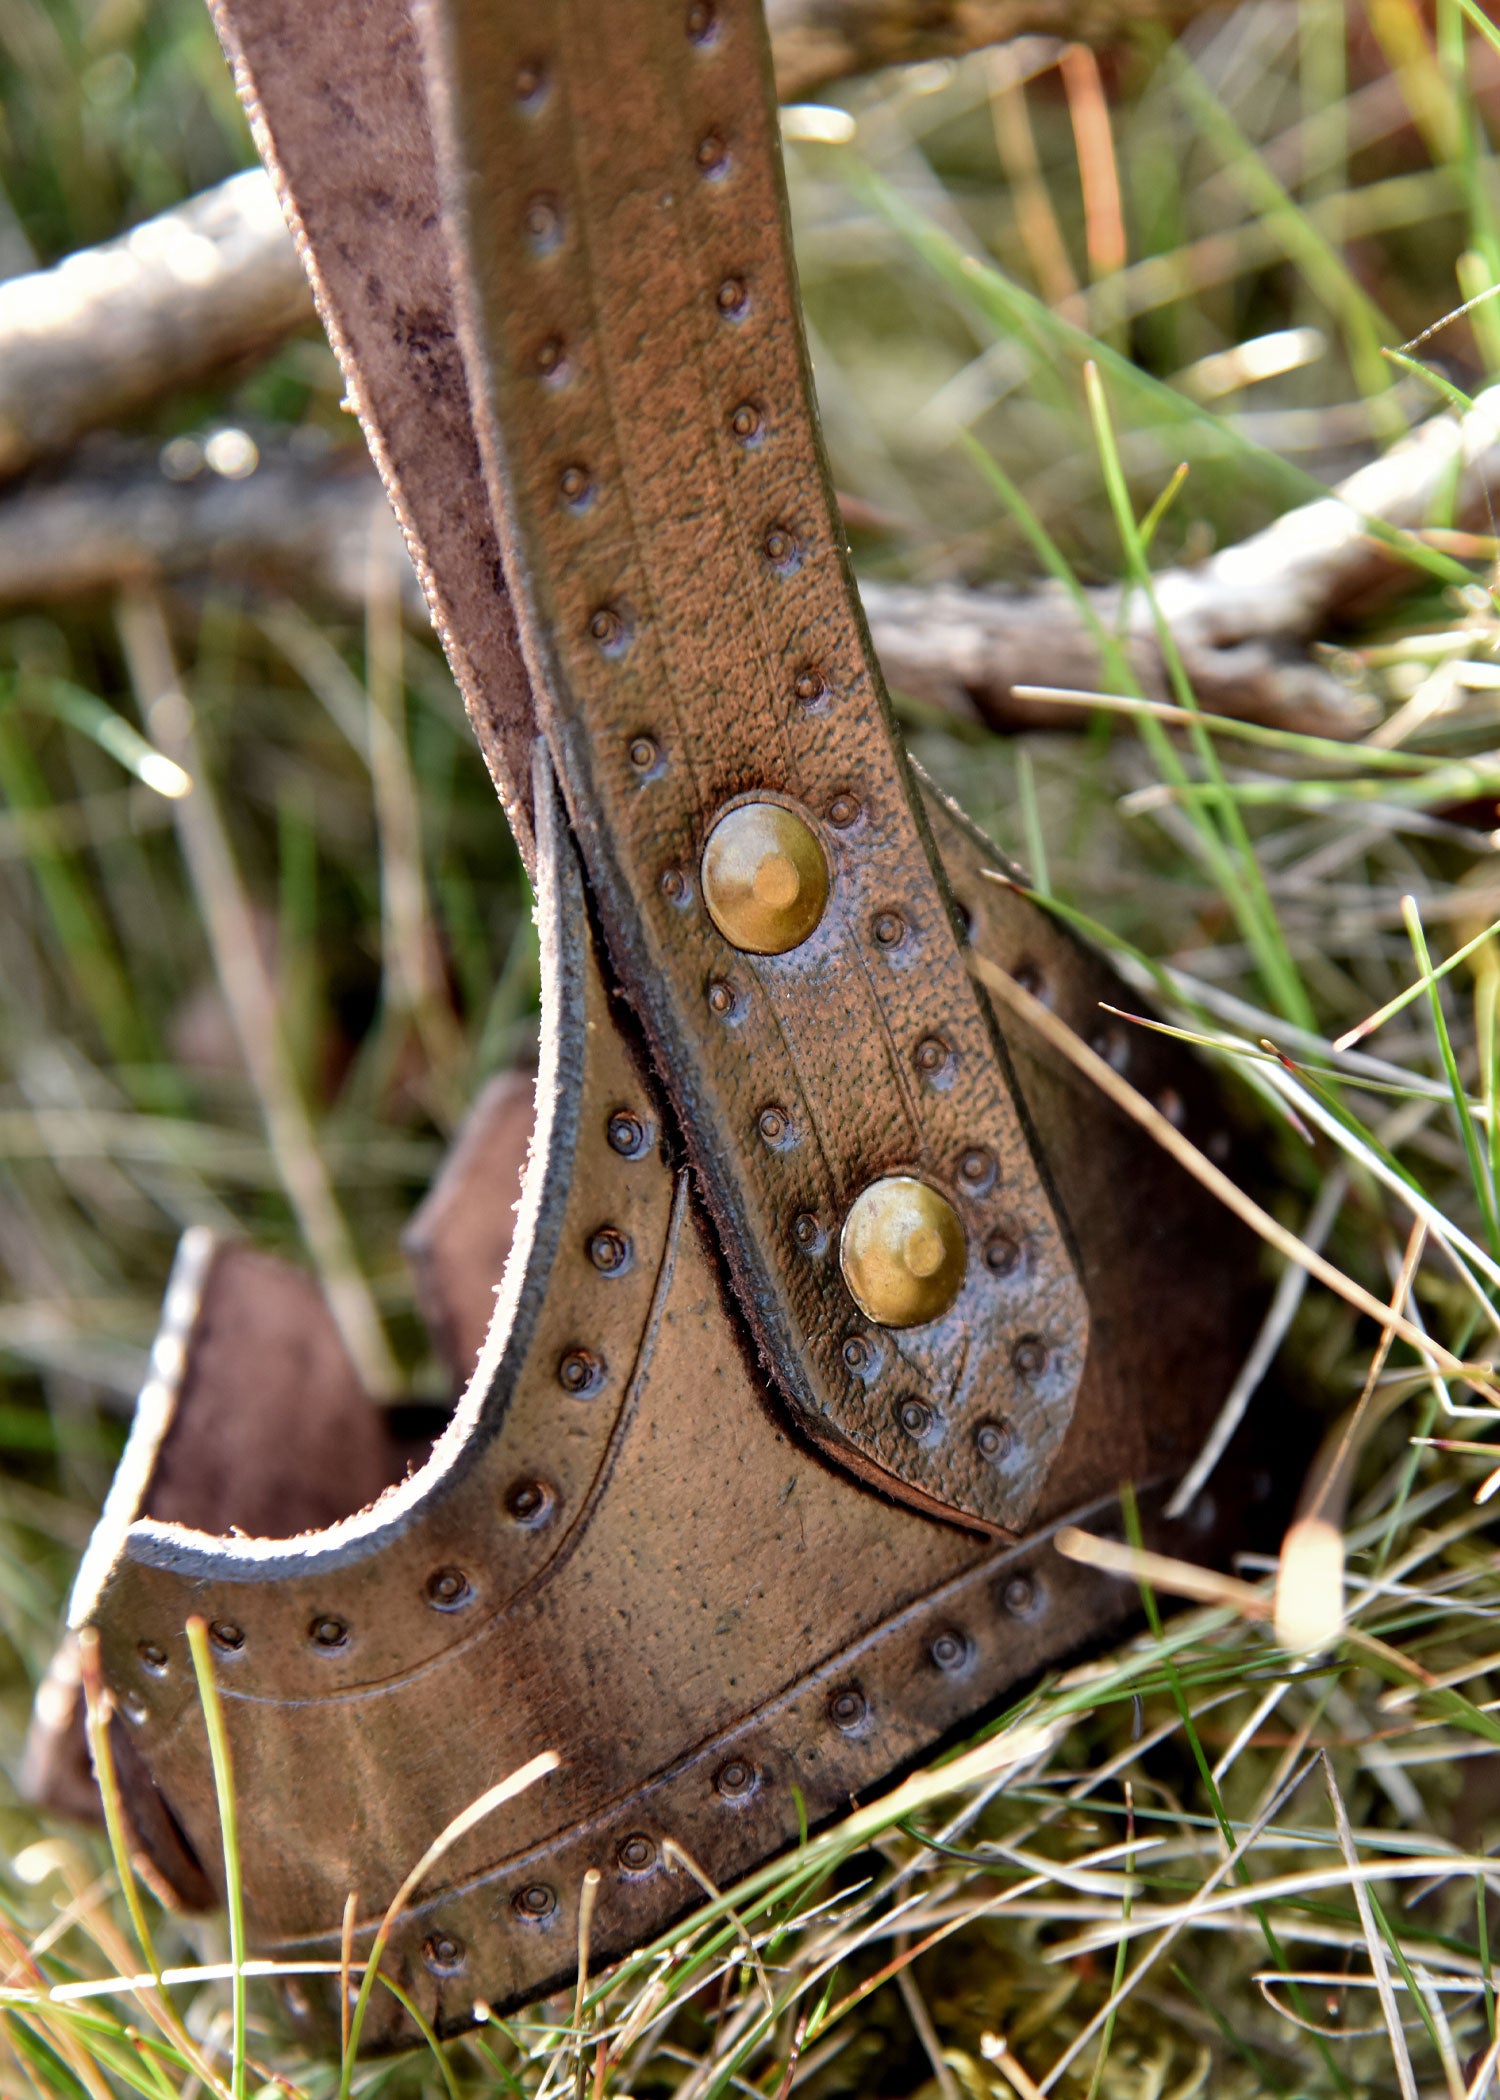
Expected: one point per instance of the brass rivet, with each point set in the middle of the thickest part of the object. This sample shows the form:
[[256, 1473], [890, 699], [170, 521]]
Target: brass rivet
[[902, 1251], [949, 1651], [328, 1632], [1020, 1596], [765, 880], [674, 886], [531, 79], [712, 155], [643, 753], [807, 1232], [889, 929], [543, 224], [780, 547], [721, 998], [536, 1901], [443, 1953], [636, 1853], [809, 686], [701, 22], [930, 1055], [772, 1124], [847, 1709], [575, 485], [529, 1502], [915, 1417], [224, 1634], [736, 1779], [153, 1657], [843, 811], [1112, 1045], [609, 1250], [448, 1589], [731, 298], [551, 359], [745, 422], [134, 1708], [607, 628]]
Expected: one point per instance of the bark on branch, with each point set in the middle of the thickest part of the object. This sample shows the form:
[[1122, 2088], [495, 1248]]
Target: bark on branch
[[113, 329], [815, 42], [216, 281], [1243, 620]]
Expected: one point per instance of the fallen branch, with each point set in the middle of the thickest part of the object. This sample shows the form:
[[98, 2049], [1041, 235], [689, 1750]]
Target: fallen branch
[[113, 329], [979, 651], [291, 522], [815, 42], [1242, 619]]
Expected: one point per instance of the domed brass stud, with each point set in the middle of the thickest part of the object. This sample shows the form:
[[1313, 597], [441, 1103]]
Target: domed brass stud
[[765, 880], [902, 1252]]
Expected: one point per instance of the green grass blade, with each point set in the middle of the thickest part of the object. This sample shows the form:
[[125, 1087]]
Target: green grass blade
[[229, 1831], [1479, 1170]]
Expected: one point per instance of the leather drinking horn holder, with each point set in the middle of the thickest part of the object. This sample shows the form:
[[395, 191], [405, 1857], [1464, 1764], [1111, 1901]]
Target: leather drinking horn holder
[[825, 1307]]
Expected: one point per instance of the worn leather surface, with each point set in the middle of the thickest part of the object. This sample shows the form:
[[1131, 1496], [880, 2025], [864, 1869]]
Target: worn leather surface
[[627, 309], [253, 1420], [642, 1541], [339, 84], [459, 1240], [694, 1588]]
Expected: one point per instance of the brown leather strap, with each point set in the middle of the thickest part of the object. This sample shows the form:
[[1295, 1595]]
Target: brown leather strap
[[618, 1550], [635, 355], [336, 99]]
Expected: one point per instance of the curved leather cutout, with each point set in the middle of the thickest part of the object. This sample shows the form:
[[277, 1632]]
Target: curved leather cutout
[[717, 1590], [508, 1482]]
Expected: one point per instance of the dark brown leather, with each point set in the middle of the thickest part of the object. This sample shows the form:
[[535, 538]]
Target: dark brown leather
[[253, 1420], [643, 1567], [624, 1547], [459, 1241]]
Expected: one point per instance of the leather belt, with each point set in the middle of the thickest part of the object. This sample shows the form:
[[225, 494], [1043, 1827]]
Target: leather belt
[[820, 1298]]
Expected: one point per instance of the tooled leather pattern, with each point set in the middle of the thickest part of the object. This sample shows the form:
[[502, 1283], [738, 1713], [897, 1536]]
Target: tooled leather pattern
[[635, 358]]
